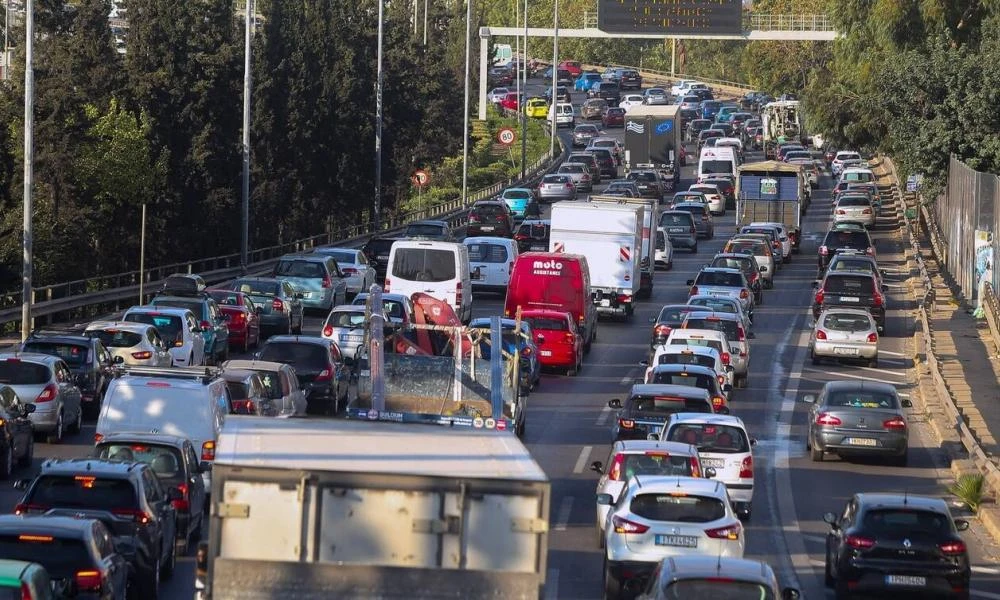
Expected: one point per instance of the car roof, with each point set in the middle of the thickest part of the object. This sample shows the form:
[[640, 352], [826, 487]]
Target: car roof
[[126, 325], [100, 467], [305, 339], [707, 419], [701, 566], [721, 316], [846, 310], [668, 483], [303, 256], [662, 389], [841, 385], [166, 310], [345, 308], [685, 349], [253, 365], [696, 369], [31, 357], [734, 256], [83, 340], [640, 446], [144, 437], [720, 270], [902, 500], [46, 525]]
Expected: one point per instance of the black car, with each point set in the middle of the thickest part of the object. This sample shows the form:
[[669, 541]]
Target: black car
[[562, 94], [648, 183], [695, 127], [77, 553], [896, 545], [499, 76], [430, 229], [703, 94], [746, 263], [648, 407], [629, 79], [488, 217], [533, 235], [606, 90], [671, 317], [606, 160], [842, 238], [850, 289], [87, 358], [16, 431], [176, 464], [127, 497], [319, 365], [377, 251]]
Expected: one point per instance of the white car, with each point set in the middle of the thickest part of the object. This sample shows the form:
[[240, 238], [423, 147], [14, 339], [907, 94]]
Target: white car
[[703, 337], [497, 94], [354, 265], [722, 304], [712, 193], [630, 100], [641, 457], [690, 355], [663, 254], [682, 86], [724, 445], [837, 164], [345, 325], [135, 343], [178, 328], [562, 114], [657, 517]]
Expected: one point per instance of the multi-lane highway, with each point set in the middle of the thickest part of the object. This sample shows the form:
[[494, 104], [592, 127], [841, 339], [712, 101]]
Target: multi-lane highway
[[569, 423]]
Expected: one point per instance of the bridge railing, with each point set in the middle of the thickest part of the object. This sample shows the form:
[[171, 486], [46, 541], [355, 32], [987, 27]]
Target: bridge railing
[[758, 22]]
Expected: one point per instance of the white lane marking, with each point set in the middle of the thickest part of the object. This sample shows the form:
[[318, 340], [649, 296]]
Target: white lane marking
[[989, 595], [602, 418], [552, 584], [814, 538], [986, 570], [631, 377], [817, 563], [838, 375], [881, 352], [562, 515], [581, 460]]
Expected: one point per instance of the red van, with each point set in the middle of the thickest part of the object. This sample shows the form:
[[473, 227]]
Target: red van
[[553, 281]]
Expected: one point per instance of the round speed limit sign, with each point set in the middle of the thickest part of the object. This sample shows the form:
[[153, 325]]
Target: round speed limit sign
[[506, 136]]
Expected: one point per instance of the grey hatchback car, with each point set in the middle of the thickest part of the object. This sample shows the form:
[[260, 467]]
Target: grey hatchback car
[[858, 417], [280, 304], [46, 382], [680, 226], [703, 223], [556, 187]]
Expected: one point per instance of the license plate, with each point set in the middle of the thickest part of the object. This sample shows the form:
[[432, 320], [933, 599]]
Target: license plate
[[545, 352], [478, 276], [912, 580], [718, 294], [487, 228], [850, 299], [605, 303], [351, 338], [845, 351], [715, 463], [676, 230], [683, 541], [539, 248], [860, 442]]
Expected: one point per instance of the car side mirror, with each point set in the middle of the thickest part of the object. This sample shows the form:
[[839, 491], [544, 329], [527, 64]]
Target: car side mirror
[[597, 467], [643, 363], [753, 441], [175, 494], [22, 484], [614, 403], [831, 519], [27, 408], [204, 466], [710, 472], [906, 403], [605, 499], [118, 360], [790, 594], [809, 398], [961, 524], [690, 282]]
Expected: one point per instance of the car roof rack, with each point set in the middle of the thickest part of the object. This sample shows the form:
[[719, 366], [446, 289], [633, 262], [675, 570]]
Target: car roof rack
[[203, 374]]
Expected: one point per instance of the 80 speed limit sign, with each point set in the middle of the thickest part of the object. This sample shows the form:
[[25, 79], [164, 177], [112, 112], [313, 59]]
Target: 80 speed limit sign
[[506, 136]]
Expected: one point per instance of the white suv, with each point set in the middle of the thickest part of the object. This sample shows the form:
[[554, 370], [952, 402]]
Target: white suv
[[178, 328]]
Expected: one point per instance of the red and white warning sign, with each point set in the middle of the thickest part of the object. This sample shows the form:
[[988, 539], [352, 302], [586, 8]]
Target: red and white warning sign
[[559, 247], [625, 253]]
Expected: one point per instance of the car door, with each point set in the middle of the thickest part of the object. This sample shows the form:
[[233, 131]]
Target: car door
[[296, 303], [104, 366], [112, 562], [219, 325], [292, 392], [196, 485], [18, 424], [68, 391], [339, 282], [160, 350], [162, 530], [253, 318], [195, 338]]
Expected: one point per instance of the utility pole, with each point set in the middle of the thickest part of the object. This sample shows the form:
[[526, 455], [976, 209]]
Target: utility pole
[[555, 72], [465, 105], [6, 43], [523, 65], [378, 123], [142, 255], [425, 22], [247, 85], [29, 158]]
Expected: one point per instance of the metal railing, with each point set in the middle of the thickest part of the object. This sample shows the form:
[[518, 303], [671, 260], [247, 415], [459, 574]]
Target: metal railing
[[758, 22], [86, 297], [665, 75]]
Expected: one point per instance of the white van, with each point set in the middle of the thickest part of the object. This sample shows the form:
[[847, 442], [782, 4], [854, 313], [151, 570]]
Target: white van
[[491, 260], [188, 402], [439, 269], [717, 161], [563, 114]]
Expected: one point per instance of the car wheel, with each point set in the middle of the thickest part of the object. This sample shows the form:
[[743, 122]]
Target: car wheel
[[612, 586], [815, 359], [828, 579], [816, 454], [57, 435], [7, 466], [29, 454], [694, 249], [150, 585]]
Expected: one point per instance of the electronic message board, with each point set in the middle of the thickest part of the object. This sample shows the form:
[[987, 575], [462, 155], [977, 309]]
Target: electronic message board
[[671, 17]]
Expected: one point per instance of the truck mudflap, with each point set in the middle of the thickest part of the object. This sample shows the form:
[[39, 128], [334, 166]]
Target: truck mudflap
[[613, 301]]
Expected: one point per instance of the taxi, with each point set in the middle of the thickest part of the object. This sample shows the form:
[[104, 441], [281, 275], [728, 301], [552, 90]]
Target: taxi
[[536, 108]]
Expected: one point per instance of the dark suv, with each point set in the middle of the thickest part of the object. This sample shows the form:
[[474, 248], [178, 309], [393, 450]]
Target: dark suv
[[630, 79], [490, 218], [648, 183], [319, 366], [377, 251], [87, 358], [855, 289], [842, 238], [606, 90], [533, 236], [126, 497], [606, 160]]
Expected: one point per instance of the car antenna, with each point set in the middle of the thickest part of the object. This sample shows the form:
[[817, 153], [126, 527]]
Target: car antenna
[[906, 496]]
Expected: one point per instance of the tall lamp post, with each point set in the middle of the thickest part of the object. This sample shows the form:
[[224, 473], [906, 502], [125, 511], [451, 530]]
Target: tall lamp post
[[555, 71], [523, 65], [465, 105], [247, 83], [29, 149], [378, 123]]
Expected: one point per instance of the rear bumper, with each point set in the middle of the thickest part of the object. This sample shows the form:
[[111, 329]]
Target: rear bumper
[[828, 348], [888, 443], [865, 578]]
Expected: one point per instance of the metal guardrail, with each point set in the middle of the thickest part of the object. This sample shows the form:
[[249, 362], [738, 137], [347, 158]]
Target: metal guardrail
[[991, 308], [81, 294], [735, 86], [759, 22]]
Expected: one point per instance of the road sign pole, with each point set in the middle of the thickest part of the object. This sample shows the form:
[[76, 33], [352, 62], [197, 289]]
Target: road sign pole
[[521, 105], [553, 124], [29, 160]]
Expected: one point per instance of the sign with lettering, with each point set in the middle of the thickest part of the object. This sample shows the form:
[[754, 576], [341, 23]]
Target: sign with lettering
[[671, 17]]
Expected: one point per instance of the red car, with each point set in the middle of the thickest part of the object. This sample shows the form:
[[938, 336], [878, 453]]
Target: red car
[[509, 101], [559, 342], [613, 116], [574, 67], [244, 318]]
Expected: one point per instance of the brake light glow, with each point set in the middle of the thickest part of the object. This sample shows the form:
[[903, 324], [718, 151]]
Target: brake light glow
[[327, 282], [145, 354], [98, 438], [138, 516], [841, 212], [731, 532], [623, 298], [615, 472], [182, 503], [662, 331], [205, 325], [872, 338], [819, 296], [820, 334], [744, 293], [746, 468], [870, 251], [717, 402], [208, 450], [740, 334], [34, 538], [88, 581], [278, 305], [952, 548], [625, 526], [827, 419], [48, 393], [626, 423], [894, 424], [858, 542], [327, 330], [726, 358], [721, 379], [326, 374], [824, 250], [877, 299]]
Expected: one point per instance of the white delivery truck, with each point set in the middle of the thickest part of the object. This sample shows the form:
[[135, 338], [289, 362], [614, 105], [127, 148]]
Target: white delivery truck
[[651, 216], [305, 508], [610, 236]]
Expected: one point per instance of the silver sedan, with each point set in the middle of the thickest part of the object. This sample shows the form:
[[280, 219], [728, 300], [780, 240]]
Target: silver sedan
[[845, 333], [657, 96], [854, 209], [858, 417], [580, 174], [556, 187]]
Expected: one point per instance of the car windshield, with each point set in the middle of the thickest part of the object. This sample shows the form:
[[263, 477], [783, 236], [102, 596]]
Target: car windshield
[[719, 279], [424, 264], [61, 557], [82, 491], [861, 285], [165, 461], [894, 523], [169, 326], [686, 358], [711, 437], [667, 405], [74, 355], [300, 268], [258, 288], [116, 338], [719, 588], [861, 399], [304, 357], [677, 508], [652, 463], [547, 324], [846, 322], [18, 372], [347, 319], [487, 253]]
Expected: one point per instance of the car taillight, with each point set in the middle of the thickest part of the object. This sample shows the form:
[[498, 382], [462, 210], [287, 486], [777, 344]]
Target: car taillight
[[26, 593], [510, 269], [327, 330], [208, 450], [205, 325], [721, 379], [744, 293], [625, 526], [866, 211], [48, 394], [894, 424], [586, 177], [819, 296], [326, 374], [740, 334], [726, 358], [626, 423], [731, 532], [182, 502], [142, 355], [87, 581], [717, 403], [872, 338], [237, 318], [858, 542], [615, 471], [662, 331], [349, 271], [877, 299], [746, 468], [473, 219], [824, 250], [458, 296], [569, 186], [841, 212], [526, 351], [98, 438], [278, 305], [870, 251], [827, 419], [244, 407], [693, 291], [327, 282], [385, 286], [23, 509], [139, 516], [520, 237], [952, 548]]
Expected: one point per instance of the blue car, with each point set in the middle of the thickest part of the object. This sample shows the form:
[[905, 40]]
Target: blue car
[[584, 82], [518, 200], [523, 345], [710, 108]]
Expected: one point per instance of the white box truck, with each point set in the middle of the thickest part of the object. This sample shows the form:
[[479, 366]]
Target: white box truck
[[650, 218], [610, 236], [311, 509]]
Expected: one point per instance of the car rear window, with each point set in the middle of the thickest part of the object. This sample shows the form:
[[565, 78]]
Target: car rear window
[[686, 358], [339, 256], [858, 176], [729, 262], [897, 523], [602, 153], [238, 390], [517, 195], [853, 201], [487, 253], [698, 341], [678, 508], [641, 176], [424, 229], [861, 399], [747, 246], [346, 318], [717, 587], [301, 268], [675, 220], [840, 264], [424, 264], [675, 377], [573, 169], [694, 209], [845, 284], [62, 557], [309, 356], [846, 322], [225, 298], [547, 324], [728, 327], [195, 306], [116, 338], [711, 437], [673, 314], [555, 179], [272, 384], [719, 278], [655, 463], [488, 210], [259, 288], [534, 230], [82, 491], [169, 326], [165, 461], [616, 111], [668, 405], [74, 355], [715, 304], [18, 372]]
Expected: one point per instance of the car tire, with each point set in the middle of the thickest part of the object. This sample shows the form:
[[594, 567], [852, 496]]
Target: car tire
[[812, 356], [57, 435], [29, 454], [694, 249], [828, 579], [841, 592], [612, 586], [815, 454]]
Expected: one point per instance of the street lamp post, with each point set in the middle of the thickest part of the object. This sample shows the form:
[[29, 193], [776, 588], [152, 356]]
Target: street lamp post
[[378, 123], [247, 84], [29, 157], [465, 105], [523, 64], [555, 72]]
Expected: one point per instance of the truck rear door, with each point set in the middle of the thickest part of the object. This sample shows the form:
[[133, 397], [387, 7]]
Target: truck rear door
[[250, 516]]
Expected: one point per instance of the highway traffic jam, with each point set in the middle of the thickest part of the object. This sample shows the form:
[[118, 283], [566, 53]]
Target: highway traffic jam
[[675, 368]]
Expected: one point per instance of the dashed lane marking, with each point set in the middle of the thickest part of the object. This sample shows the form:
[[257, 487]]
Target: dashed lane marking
[[602, 418], [581, 461], [562, 515]]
